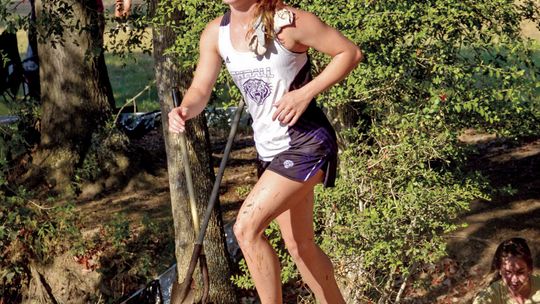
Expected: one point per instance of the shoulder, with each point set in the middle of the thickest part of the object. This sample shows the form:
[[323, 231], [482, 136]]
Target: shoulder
[[300, 13], [213, 26], [304, 25], [491, 295], [210, 34], [535, 288], [303, 20]]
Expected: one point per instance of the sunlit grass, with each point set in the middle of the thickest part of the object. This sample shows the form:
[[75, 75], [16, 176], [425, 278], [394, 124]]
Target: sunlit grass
[[128, 76], [22, 42], [131, 75], [3, 109]]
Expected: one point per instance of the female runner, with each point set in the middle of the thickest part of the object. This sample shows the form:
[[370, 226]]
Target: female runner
[[263, 44]]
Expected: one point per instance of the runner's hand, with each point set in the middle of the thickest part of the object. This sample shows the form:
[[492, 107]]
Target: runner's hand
[[177, 120], [290, 107]]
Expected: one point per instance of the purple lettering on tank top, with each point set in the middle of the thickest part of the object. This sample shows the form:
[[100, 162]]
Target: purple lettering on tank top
[[256, 86]]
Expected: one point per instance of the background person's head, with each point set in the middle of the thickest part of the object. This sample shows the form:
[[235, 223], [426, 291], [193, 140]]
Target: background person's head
[[513, 263]]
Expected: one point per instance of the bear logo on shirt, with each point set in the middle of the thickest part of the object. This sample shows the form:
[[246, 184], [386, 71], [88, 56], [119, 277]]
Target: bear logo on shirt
[[257, 90]]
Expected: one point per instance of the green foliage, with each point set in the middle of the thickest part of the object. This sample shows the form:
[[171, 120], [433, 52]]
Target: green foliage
[[118, 231], [9, 20], [288, 269], [130, 256], [132, 35], [243, 191], [11, 146], [30, 232], [192, 19], [393, 202], [460, 59], [16, 139], [105, 155]]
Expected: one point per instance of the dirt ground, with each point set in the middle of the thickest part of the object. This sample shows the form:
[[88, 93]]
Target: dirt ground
[[455, 279], [458, 277]]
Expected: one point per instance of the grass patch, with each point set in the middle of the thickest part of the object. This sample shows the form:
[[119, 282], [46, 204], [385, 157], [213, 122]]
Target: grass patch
[[22, 43], [3, 109], [128, 76], [131, 75]]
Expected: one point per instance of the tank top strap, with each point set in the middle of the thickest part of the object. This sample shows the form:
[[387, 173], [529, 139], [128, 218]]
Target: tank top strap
[[226, 19], [224, 40]]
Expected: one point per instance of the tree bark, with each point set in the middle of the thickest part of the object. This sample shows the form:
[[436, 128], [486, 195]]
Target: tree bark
[[348, 116], [76, 92], [170, 76]]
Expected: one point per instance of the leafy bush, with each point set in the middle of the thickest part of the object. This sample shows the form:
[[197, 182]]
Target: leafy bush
[[129, 257], [30, 233], [288, 269], [393, 202], [461, 59]]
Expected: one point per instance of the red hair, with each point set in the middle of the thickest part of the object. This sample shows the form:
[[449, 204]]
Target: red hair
[[266, 9]]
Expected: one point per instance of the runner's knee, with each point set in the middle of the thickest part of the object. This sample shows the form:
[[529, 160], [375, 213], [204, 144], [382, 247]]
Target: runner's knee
[[300, 249], [245, 231]]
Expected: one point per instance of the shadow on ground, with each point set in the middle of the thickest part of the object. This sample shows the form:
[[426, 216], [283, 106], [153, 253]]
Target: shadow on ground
[[458, 277]]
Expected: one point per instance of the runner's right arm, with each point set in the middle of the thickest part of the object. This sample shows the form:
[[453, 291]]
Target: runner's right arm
[[198, 94]]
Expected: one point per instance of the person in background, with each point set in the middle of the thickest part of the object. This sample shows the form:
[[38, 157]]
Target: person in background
[[122, 9], [31, 59], [514, 282], [264, 45]]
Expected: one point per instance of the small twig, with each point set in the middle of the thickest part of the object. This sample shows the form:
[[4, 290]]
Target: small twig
[[132, 100], [392, 191], [40, 207], [404, 284], [17, 5]]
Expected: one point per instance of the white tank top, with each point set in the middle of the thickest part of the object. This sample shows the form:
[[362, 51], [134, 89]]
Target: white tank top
[[262, 81]]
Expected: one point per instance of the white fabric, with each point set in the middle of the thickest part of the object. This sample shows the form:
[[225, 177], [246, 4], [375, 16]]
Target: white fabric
[[263, 80], [257, 41]]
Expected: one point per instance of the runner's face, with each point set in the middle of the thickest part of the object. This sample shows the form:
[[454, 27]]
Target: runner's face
[[239, 2], [515, 273]]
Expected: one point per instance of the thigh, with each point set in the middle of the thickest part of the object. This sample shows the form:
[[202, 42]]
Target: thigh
[[296, 224], [272, 195]]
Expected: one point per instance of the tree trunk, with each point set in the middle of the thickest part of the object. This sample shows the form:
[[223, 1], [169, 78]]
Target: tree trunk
[[170, 76], [76, 92], [347, 116]]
